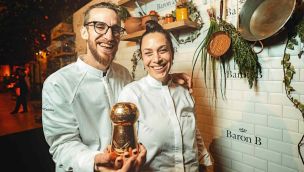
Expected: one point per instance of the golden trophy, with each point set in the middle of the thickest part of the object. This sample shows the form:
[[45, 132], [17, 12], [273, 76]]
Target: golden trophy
[[123, 116]]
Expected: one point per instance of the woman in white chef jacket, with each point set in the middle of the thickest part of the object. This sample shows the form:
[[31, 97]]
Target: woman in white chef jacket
[[166, 123]]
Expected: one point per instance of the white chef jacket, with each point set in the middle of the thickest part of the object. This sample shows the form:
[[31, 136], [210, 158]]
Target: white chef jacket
[[76, 102], [166, 126]]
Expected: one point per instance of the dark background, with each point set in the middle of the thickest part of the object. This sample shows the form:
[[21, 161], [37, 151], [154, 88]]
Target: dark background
[[25, 26], [25, 152]]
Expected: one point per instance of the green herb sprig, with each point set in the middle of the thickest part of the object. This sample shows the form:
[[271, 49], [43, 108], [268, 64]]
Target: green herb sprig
[[243, 55], [201, 51]]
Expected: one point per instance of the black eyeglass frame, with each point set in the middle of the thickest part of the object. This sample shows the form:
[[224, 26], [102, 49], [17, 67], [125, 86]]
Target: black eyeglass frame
[[122, 30]]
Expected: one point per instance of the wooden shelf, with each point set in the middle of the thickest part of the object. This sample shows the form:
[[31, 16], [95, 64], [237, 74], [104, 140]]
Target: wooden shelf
[[177, 25], [63, 54], [61, 34], [130, 3], [132, 36], [183, 24]]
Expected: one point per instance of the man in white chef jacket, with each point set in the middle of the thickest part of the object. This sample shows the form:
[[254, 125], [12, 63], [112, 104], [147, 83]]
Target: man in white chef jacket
[[77, 98]]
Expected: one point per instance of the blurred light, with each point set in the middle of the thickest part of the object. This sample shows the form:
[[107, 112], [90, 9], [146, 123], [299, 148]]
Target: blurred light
[[36, 41], [42, 54], [2, 7], [5, 70]]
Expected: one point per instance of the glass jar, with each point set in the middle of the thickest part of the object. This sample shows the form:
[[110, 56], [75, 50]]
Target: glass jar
[[161, 20], [181, 13], [169, 18]]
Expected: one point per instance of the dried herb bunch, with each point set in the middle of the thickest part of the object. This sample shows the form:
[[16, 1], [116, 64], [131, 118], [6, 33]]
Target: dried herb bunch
[[240, 50], [135, 58], [300, 30], [243, 54]]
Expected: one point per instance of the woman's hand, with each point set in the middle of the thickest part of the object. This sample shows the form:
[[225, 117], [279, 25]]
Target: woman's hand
[[110, 162], [182, 79]]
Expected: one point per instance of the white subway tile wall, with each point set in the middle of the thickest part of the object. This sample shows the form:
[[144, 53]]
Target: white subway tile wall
[[272, 167], [264, 112], [258, 170], [301, 74], [239, 166], [269, 155], [255, 162], [292, 162]]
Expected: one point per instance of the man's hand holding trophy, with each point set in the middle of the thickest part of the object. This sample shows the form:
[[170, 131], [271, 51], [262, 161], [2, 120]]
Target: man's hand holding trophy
[[124, 154]]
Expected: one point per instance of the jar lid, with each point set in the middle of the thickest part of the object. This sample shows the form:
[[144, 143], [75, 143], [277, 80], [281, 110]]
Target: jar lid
[[153, 12]]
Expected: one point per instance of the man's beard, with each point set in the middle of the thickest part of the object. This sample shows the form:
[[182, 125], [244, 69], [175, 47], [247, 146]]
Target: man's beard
[[103, 61]]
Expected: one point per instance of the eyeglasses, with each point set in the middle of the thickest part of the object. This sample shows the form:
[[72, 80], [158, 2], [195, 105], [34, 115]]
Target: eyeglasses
[[102, 28]]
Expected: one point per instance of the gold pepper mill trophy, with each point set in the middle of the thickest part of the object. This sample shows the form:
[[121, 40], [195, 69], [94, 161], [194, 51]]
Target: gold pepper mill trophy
[[123, 116]]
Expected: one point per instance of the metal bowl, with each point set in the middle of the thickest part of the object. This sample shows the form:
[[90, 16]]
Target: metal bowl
[[260, 19]]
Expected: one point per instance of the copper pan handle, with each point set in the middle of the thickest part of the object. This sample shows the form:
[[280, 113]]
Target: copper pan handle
[[262, 47]]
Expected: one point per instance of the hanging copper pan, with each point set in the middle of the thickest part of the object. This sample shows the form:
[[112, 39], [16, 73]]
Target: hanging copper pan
[[260, 19]]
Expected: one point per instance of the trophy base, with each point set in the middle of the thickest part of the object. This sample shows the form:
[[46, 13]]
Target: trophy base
[[115, 152]]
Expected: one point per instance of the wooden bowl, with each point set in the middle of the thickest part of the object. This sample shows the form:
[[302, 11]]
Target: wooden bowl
[[133, 24]]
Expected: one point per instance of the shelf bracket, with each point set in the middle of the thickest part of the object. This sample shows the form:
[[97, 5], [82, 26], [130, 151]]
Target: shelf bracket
[[138, 6], [174, 39]]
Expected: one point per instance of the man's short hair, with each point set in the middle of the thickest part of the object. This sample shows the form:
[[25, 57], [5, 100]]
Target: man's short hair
[[107, 5]]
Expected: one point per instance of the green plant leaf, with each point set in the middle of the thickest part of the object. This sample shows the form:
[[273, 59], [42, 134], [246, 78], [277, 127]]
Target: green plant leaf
[[293, 41], [301, 107], [286, 57], [290, 46]]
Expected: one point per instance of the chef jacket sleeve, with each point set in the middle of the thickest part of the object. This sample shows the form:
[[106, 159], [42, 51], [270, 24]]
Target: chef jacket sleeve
[[60, 128], [203, 155]]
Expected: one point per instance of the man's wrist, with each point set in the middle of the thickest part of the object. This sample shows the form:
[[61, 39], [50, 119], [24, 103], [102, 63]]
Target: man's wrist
[[202, 168]]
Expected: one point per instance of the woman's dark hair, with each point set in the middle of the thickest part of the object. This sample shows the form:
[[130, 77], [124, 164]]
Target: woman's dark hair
[[152, 27]]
